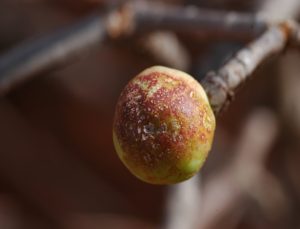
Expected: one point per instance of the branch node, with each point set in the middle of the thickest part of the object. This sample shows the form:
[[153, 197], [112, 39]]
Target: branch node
[[217, 91]]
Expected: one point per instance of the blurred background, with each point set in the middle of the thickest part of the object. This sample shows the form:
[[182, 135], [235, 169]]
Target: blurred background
[[58, 167]]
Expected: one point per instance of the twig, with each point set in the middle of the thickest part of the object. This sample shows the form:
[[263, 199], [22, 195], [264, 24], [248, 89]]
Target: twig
[[192, 19], [221, 85], [184, 204], [34, 57]]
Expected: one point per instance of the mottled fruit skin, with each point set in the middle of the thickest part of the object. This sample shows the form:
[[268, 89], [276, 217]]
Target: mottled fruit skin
[[163, 126]]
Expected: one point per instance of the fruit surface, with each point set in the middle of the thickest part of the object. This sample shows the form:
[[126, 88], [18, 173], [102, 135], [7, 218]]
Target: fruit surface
[[163, 126]]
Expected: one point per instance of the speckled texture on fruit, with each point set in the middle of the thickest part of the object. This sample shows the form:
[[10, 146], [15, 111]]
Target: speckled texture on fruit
[[163, 126]]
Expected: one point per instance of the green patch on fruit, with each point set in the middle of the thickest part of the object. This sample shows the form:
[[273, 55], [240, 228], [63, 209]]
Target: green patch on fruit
[[192, 166], [117, 146]]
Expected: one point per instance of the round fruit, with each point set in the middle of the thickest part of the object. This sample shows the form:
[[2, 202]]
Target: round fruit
[[163, 126]]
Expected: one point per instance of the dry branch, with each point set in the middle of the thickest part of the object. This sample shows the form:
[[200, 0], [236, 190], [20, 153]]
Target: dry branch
[[221, 85], [31, 58], [184, 204], [34, 57], [192, 19]]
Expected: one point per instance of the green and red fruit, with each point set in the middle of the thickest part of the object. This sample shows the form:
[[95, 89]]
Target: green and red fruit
[[163, 126]]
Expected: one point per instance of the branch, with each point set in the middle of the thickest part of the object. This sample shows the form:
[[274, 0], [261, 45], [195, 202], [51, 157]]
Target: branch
[[221, 85], [34, 57], [31, 58], [184, 204], [192, 19]]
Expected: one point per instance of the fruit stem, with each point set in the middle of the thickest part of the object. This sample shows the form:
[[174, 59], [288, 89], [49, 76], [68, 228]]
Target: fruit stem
[[221, 85]]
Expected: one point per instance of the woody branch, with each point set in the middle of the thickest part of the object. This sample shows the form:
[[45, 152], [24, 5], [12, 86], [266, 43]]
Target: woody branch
[[222, 84], [32, 58]]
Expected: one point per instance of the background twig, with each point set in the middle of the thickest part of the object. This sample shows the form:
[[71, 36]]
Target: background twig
[[33, 57], [184, 204], [152, 16], [50, 52]]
